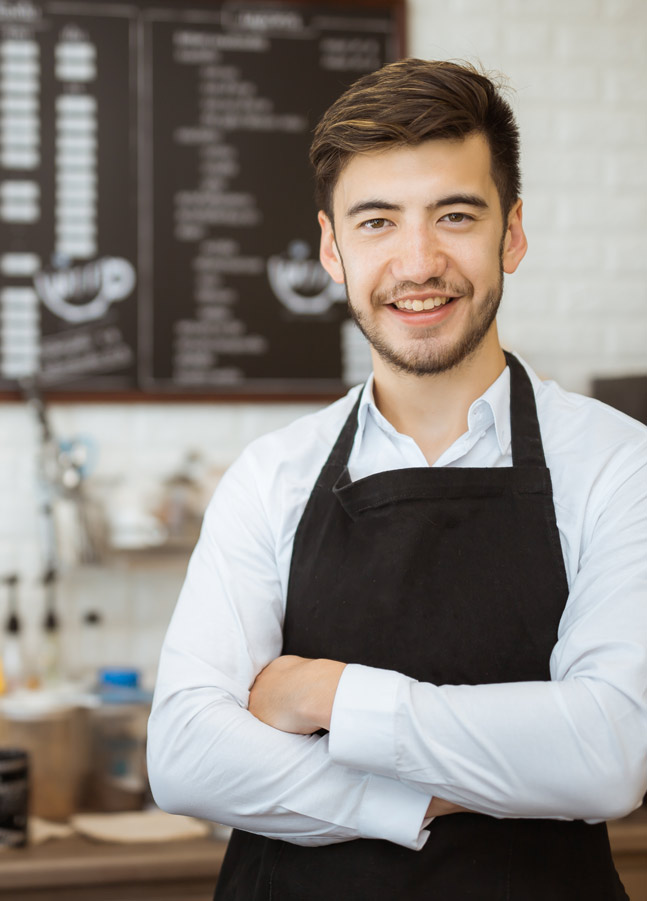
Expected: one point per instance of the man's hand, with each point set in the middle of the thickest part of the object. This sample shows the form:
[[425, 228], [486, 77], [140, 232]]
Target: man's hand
[[438, 807], [295, 694]]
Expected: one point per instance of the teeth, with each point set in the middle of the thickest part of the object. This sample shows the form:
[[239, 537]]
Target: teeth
[[418, 305]]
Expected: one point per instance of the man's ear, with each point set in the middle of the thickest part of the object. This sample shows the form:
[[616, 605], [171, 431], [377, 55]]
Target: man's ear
[[514, 241], [328, 252]]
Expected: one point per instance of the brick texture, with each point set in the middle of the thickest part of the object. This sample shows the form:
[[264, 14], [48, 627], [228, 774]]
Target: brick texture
[[579, 73]]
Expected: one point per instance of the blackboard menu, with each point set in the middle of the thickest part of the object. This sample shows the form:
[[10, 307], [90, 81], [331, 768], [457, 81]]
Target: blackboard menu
[[157, 225]]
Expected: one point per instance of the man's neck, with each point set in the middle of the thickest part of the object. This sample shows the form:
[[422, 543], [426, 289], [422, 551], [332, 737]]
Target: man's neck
[[432, 409]]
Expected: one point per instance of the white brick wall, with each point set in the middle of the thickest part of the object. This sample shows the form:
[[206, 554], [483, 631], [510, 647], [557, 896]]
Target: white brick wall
[[577, 307], [139, 446]]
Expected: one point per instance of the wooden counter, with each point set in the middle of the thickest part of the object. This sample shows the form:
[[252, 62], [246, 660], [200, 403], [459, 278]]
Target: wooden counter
[[76, 869]]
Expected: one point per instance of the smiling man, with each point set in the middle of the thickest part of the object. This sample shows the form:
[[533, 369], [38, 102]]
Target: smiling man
[[419, 250], [410, 655]]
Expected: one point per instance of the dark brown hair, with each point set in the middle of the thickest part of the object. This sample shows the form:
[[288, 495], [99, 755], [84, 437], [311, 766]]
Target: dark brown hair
[[411, 101]]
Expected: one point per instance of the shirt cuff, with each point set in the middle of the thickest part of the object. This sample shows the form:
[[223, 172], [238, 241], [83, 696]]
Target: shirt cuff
[[361, 736], [362, 733], [394, 812]]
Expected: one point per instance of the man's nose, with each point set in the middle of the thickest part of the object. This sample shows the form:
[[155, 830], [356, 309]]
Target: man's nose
[[419, 256]]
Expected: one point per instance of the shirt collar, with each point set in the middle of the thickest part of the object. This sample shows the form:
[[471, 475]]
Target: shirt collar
[[492, 406]]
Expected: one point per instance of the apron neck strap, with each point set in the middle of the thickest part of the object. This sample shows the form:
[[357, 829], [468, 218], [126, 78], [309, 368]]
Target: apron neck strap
[[343, 446], [527, 448]]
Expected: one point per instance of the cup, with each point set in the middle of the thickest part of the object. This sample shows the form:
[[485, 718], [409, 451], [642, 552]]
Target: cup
[[14, 797]]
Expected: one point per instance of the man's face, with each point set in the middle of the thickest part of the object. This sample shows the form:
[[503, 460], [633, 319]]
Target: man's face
[[420, 242]]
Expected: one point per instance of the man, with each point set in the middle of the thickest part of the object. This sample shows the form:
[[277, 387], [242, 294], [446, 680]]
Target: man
[[410, 656]]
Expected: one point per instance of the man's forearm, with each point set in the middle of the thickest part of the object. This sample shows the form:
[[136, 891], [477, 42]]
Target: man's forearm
[[295, 694]]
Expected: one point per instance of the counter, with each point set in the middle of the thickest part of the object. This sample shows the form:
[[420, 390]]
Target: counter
[[76, 869]]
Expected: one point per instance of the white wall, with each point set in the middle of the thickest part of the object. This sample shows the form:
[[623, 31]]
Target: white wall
[[576, 308]]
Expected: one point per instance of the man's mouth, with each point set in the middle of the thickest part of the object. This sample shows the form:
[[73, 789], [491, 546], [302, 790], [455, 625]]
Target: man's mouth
[[417, 306]]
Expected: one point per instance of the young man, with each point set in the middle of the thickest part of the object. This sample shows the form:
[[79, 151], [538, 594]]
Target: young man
[[445, 569]]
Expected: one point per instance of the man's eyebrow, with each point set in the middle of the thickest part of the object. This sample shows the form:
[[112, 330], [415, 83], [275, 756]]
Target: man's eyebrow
[[376, 204], [461, 199], [365, 206]]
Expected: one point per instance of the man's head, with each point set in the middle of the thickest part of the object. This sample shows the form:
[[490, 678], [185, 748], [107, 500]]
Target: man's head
[[409, 102], [418, 183]]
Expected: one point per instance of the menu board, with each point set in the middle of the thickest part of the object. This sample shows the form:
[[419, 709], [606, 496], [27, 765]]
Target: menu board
[[158, 231]]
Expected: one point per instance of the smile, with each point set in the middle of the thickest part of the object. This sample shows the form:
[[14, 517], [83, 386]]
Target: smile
[[418, 305]]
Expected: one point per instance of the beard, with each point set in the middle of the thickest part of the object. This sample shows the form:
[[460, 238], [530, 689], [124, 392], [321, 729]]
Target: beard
[[426, 354]]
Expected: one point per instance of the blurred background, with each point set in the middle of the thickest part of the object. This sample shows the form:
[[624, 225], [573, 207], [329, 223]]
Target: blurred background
[[161, 305]]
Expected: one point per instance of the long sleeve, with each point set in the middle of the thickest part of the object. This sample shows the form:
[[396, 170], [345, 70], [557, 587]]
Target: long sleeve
[[207, 755], [574, 747]]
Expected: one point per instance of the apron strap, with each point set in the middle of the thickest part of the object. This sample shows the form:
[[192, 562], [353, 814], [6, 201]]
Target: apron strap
[[338, 457], [527, 448]]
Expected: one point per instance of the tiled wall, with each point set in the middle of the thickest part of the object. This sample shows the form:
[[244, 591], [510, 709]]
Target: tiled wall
[[578, 304], [577, 307], [139, 447]]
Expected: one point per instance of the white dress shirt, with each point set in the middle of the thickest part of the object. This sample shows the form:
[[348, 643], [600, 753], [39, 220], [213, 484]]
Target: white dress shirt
[[574, 747]]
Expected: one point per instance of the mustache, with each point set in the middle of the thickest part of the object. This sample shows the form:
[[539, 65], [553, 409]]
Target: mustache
[[402, 289]]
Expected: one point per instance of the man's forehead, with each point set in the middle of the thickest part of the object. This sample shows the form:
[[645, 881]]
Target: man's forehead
[[464, 163]]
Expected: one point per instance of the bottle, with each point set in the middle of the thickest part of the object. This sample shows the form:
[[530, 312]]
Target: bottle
[[91, 647], [51, 632], [13, 662]]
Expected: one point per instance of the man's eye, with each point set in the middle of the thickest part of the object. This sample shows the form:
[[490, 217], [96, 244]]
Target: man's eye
[[457, 217], [374, 224]]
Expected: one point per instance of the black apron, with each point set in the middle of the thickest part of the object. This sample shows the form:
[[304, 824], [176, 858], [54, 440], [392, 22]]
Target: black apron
[[451, 576]]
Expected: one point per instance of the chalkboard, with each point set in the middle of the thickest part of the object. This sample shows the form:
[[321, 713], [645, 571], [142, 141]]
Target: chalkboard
[[158, 233]]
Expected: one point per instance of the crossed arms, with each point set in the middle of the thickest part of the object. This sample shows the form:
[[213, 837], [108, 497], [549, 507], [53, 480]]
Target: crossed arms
[[295, 694], [574, 747]]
